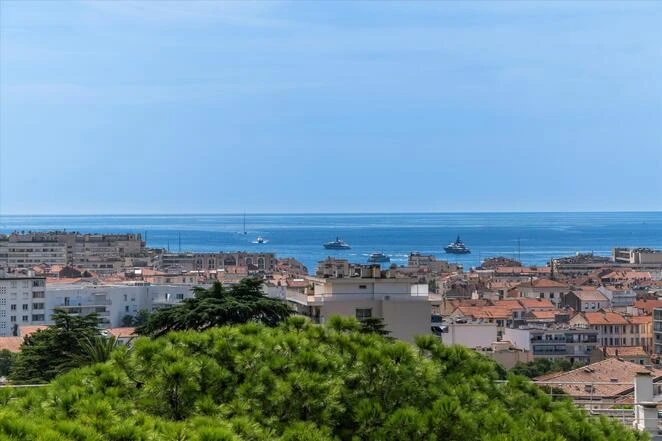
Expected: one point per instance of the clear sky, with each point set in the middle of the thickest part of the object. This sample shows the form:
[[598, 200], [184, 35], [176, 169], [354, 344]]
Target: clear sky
[[166, 107]]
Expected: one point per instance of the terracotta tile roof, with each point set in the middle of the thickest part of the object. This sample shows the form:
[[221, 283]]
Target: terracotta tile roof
[[482, 312], [625, 351], [543, 315], [24, 331], [590, 295], [641, 319], [602, 372], [648, 305], [510, 304], [12, 344], [605, 318], [122, 332], [536, 303], [543, 283]]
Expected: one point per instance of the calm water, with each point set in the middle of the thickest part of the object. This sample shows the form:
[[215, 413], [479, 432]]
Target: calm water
[[540, 235]]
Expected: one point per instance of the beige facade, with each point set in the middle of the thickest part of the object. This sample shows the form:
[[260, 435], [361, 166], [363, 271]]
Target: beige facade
[[401, 303]]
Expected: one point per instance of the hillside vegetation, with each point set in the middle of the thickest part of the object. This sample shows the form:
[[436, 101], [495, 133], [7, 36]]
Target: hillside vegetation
[[293, 382]]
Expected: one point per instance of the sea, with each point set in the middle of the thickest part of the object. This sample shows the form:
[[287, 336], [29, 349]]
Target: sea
[[533, 238]]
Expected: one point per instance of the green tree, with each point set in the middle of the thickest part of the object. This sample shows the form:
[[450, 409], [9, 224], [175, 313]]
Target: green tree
[[141, 318], [54, 350], [127, 320], [97, 349], [295, 382], [374, 325], [6, 361], [217, 306]]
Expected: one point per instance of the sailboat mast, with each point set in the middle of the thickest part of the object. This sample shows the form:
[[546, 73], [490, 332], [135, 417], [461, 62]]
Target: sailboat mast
[[244, 222]]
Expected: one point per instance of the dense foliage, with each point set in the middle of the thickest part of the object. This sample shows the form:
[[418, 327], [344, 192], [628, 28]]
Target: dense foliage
[[541, 366], [55, 350], [217, 306], [6, 361], [294, 382]]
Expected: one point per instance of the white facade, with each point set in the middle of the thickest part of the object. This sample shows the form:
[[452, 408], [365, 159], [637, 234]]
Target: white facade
[[112, 302], [471, 335], [618, 297], [22, 302], [29, 301]]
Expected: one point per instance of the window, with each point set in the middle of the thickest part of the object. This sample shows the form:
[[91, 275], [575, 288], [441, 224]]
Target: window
[[25, 306], [541, 295], [37, 306], [363, 286], [363, 313], [12, 318], [38, 317], [551, 295], [126, 308], [38, 295], [179, 296], [13, 307], [25, 318]]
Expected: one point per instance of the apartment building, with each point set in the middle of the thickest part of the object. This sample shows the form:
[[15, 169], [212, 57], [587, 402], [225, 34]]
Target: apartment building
[[544, 289], [619, 297], [657, 331], [22, 301], [363, 292], [638, 256], [613, 328], [586, 299], [260, 262], [576, 344], [112, 301], [102, 253]]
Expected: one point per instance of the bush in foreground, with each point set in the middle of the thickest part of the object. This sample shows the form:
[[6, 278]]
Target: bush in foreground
[[294, 382]]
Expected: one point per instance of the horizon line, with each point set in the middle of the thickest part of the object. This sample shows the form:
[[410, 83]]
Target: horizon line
[[326, 213]]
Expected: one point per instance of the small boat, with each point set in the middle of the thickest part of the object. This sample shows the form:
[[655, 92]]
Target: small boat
[[378, 258], [457, 247], [337, 244], [260, 239]]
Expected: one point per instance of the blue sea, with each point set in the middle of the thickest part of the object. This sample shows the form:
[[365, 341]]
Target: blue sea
[[535, 237]]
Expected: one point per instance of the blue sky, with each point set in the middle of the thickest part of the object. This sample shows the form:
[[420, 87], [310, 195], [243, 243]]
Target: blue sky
[[166, 107]]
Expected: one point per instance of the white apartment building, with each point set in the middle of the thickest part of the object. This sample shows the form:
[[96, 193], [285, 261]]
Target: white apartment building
[[402, 303], [618, 297], [22, 302], [112, 302], [28, 300]]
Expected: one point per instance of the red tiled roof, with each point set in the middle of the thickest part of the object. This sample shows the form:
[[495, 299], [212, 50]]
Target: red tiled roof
[[536, 303], [625, 351], [122, 332], [605, 318], [574, 382], [12, 344], [24, 331]]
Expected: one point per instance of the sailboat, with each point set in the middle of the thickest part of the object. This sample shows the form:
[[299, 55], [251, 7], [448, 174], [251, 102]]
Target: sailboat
[[244, 222]]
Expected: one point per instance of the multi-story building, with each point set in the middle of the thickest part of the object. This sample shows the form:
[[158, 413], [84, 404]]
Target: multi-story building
[[576, 344], [638, 256], [544, 289], [261, 262], [112, 301], [22, 301], [402, 303], [619, 297], [102, 253], [586, 299], [657, 331], [613, 329]]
